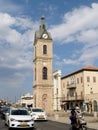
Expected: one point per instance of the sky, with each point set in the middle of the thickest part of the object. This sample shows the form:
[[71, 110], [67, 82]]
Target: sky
[[73, 25]]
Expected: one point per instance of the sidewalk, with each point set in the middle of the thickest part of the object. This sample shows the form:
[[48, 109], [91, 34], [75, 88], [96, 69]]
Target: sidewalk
[[91, 121]]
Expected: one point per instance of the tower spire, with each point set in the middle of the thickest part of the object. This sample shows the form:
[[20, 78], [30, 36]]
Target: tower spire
[[42, 26], [42, 30], [42, 18]]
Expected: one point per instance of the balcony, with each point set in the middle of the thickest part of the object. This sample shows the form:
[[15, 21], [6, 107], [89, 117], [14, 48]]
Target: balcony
[[73, 98], [71, 86]]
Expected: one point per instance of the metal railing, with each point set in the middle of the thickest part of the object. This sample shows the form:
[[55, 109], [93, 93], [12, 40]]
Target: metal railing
[[71, 98], [72, 85]]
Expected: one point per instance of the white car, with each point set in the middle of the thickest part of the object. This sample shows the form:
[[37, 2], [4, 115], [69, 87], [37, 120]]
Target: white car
[[19, 118], [38, 114]]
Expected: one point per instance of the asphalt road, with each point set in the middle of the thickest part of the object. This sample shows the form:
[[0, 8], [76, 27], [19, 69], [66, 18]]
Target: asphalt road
[[51, 125], [42, 125]]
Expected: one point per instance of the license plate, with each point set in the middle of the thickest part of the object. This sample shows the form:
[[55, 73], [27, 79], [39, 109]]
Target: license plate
[[41, 117], [23, 124]]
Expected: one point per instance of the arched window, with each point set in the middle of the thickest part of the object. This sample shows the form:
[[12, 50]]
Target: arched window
[[44, 49], [44, 72], [43, 26], [95, 105], [44, 101], [35, 73]]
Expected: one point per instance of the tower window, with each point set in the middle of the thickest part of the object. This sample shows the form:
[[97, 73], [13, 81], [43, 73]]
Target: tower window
[[44, 73], [44, 49], [35, 73], [43, 26]]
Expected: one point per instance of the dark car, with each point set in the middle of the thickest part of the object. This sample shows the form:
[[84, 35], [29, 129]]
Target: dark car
[[3, 111]]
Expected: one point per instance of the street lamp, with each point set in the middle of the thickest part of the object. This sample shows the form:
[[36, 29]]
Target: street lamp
[[57, 99]]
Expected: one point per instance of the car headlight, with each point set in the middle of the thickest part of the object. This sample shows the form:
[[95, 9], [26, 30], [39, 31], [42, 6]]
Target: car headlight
[[33, 114], [12, 119]]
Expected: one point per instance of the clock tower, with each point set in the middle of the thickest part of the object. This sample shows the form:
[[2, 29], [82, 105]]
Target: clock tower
[[43, 81]]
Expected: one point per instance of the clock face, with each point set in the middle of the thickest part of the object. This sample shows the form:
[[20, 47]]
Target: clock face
[[45, 36]]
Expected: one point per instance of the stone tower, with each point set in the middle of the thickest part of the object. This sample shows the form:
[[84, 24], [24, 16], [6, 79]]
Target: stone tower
[[43, 82]]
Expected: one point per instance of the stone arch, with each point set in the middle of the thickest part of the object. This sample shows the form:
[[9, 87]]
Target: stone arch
[[44, 49], [44, 101], [44, 72], [95, 105]]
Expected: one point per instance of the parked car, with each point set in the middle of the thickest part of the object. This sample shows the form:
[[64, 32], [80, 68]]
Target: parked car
[[3, 111], [38, 114], [19, 118]]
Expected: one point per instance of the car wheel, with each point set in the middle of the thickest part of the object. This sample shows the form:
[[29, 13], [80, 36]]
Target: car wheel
[[9, 128], [5, 124]]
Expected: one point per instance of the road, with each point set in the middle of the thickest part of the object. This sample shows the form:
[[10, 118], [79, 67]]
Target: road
[[51, 125], [48, 125]]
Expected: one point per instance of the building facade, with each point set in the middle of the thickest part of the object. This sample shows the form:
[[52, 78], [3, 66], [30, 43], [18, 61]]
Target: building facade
[[43, 83], [81, 88], [57, 90], [52, 92], [26, 100]]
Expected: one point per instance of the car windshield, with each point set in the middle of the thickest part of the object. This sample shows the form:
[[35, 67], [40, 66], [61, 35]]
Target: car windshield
[[4, 109], [19, 112], [37, 110]]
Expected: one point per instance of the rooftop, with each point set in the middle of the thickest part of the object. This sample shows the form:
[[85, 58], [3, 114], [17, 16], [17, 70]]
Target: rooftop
[[86, 68]]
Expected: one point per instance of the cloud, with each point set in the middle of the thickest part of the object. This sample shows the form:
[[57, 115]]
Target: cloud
[[10, 7], [79, 26], [16, 50], [89, 37], [69, 61], [48, 8], [78, 20], [89, 56]]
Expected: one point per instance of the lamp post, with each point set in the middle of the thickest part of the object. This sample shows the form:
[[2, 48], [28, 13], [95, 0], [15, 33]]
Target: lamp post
[[57, 99]]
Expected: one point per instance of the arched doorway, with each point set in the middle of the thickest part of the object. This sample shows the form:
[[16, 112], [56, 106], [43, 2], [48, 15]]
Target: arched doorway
[[81, 106], [71, 105], [44, 101], [95, 105]]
